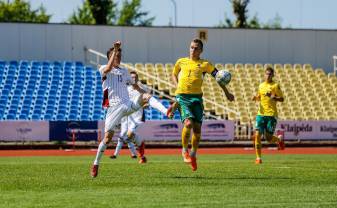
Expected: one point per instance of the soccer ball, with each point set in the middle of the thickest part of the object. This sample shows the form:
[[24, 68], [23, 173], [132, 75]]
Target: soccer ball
[[223, 77]]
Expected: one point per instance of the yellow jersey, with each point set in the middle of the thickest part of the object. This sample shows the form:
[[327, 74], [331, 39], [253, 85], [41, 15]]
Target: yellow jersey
[[267, 105], [190, 75]]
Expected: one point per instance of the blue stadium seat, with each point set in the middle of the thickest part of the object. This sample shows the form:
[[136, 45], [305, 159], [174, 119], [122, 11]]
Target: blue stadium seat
[[72, 117], [45, 64], [36, 64], [11, 117], [47, 117], [36, 117], [57, 64], [13, 63], [78, 64], [50, 90]]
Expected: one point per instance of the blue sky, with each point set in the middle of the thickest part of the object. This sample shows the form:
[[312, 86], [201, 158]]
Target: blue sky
[[316, 14]]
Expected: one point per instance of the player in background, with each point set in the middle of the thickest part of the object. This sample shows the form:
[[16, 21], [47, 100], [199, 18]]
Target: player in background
[[116, 98], [269, 93], [120, 142], [191, 71], [131, 123]]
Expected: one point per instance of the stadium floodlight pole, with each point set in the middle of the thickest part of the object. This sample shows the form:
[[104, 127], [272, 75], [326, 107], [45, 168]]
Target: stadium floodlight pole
[[175, 11]]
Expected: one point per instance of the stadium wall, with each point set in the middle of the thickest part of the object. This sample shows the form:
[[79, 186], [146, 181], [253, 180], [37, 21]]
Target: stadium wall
[[20, 41], [168, 130]]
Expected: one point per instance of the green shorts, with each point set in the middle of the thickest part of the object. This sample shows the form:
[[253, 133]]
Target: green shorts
[[190, 106], [266, 124]]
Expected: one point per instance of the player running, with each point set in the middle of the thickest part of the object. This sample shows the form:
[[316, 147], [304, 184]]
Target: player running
[[188, 76], [269, 93]]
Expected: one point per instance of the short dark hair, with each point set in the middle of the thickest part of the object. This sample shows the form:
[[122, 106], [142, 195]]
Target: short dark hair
[[109, 52], [199, 42], [134, 72], [269, 68]]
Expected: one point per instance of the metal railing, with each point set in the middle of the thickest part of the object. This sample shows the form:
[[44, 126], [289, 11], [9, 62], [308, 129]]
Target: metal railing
[[335, 65], [99, 59]]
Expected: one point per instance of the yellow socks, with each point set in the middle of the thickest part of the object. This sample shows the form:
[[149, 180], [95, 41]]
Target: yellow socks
[[185, 136], [258, 145], [195, 143]]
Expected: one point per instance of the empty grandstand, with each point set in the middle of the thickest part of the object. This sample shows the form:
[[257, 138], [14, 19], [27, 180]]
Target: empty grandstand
[[33, 90]]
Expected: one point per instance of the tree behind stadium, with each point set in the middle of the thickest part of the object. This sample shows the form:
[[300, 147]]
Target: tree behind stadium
[[240, 10], [105, 12], [130, 14], [21, 11]]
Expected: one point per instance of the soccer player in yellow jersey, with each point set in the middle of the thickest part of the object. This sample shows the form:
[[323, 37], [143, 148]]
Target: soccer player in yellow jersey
[[188, 76], [269, 93]]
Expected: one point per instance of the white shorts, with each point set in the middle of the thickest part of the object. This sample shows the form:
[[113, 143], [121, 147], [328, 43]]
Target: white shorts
[[115, 114], [131, 122]]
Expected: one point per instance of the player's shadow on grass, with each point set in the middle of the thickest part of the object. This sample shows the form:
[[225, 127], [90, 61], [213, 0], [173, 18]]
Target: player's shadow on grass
[[228, 178]]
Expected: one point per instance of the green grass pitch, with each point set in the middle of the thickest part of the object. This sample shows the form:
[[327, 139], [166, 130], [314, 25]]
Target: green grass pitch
[[221, 181]]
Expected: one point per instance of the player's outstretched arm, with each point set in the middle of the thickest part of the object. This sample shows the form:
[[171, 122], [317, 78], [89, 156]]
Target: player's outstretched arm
[[139, 89], [256, 98], [175, 80], [276, 98], [229, 95], [112, 61]]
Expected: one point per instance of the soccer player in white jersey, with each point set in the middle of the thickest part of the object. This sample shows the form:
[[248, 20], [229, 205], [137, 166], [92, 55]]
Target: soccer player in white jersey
[[131, 123], [116, 99]]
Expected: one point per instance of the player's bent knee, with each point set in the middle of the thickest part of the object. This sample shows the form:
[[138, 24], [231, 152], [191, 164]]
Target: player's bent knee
[[131, 134], [108, 136], [197, 128], [188, 123], [269, 137], [146, 97]]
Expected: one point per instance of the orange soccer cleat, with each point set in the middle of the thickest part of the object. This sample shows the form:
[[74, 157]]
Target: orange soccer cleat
[[194, 163], [142, 160], [186, 157], [258, 161], [280, 144], [94, 171], [141, 149]]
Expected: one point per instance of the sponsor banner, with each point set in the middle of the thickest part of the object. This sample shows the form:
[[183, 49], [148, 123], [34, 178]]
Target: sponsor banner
[[171, 130], [24, 131], [63, 130], [308, 130]]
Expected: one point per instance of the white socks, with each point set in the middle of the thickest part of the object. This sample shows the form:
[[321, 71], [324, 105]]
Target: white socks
[[153, 102], [118, 147], [100, 152], [193, 153], [184, 150], [138, 140], [132, 148]]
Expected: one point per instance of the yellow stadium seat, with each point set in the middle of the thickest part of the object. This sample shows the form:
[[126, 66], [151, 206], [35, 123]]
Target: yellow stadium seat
[[229, 67], [219, 111], [208, 106], [219, 66], [288, 67], [265, 66], [297, 67], [278, 67], [307, 67], [232, 116], [238, 66], [249, 66]]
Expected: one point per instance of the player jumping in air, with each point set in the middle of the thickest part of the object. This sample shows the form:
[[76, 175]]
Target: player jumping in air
[[191, 71]]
